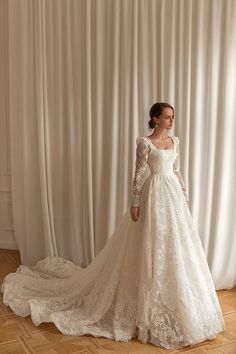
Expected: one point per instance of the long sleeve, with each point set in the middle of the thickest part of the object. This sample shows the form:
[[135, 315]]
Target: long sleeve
[[141, 165], [176, 169]]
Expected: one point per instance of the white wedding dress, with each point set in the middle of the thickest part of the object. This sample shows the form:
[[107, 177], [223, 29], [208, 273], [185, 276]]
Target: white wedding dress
[[151, 281]]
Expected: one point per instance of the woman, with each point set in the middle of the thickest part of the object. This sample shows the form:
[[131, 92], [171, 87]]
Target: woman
[[151, 281]]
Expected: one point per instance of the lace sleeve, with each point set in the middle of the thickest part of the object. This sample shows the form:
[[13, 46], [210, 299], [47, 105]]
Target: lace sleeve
[[176, 169], [142, 150]]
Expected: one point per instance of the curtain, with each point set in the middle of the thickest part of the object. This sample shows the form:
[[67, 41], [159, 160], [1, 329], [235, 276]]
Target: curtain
[[82, 77]]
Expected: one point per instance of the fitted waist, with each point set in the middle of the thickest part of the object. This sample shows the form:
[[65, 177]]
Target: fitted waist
[[165, 173]]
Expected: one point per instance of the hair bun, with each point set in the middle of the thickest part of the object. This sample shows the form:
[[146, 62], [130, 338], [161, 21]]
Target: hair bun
[[151, 124]]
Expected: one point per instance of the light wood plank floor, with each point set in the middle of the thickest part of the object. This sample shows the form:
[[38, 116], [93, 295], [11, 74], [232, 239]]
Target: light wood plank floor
[[19, 335]]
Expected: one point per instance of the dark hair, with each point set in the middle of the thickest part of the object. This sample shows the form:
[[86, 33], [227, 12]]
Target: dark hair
[[156, 111]]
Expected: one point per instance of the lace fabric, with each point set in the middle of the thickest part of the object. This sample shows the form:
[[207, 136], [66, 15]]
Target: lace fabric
[[176, 169], [141, 167], [151, 281]]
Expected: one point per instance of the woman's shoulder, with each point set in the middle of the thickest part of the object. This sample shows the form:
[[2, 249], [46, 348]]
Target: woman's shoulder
[[141, 139], [144, 140], [175, 137]]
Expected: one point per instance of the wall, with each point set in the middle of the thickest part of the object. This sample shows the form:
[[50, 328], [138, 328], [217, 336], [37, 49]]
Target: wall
[[7, 239]]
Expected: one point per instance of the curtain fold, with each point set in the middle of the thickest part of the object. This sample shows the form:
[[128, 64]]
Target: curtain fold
[[82, 77], [43, 127]]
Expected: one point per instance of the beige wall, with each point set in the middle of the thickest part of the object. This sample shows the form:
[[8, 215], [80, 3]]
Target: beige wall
[[7, 239]]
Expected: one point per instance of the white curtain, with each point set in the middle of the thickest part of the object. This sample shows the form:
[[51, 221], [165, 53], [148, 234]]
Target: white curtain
[[82, 77]]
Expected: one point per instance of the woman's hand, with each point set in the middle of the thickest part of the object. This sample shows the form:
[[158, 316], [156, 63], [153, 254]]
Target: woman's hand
[[135, 212]]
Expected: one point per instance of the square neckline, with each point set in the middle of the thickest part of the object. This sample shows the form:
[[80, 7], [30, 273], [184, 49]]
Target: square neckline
[[170, 136]]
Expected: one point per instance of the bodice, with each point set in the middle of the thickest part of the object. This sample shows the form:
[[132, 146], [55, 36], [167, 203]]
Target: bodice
[[160, 161]]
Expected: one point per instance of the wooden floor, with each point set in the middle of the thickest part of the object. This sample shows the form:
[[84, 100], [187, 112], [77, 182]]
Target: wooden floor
[[19, 335]]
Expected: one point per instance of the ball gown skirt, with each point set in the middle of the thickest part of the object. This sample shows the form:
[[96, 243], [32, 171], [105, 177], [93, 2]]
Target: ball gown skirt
[[151, 281]]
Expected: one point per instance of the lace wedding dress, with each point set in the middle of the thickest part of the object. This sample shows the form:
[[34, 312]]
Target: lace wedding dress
[[151, 280]]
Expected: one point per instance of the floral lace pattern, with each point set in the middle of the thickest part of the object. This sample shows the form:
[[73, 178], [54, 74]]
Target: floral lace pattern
[[142, 162], [151, 281], [141, 165], [176, 169]]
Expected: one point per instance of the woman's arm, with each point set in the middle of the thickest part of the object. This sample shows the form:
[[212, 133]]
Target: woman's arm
[[176, 169], [140, 169]]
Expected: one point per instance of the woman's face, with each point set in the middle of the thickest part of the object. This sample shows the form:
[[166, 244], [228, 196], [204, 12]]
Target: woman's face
[[165, 120]]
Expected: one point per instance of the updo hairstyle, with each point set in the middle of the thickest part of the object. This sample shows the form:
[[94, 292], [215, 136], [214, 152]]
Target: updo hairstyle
[[156, 111]]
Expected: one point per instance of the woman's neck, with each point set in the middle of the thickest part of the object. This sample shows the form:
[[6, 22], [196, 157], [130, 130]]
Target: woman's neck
[[159, 133]]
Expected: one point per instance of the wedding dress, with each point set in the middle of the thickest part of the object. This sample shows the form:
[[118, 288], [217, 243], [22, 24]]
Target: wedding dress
[[151, 281]]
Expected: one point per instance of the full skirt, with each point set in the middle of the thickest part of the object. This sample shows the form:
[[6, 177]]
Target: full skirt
[[151, 281]]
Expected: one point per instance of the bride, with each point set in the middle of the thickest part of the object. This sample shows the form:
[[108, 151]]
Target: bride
[[151, 281]]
